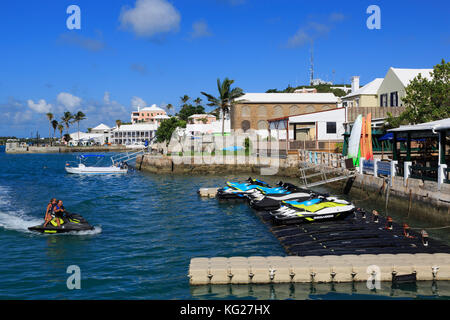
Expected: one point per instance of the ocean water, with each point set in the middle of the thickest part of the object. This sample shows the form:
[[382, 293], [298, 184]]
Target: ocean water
[[147, 228]]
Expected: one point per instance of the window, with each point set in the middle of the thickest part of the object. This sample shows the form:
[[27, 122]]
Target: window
[[262, 111], [245, 125], [278, 112], [245, 111], [383, 100], [394, 99], [294, 110], [263, 125], [331, 127]]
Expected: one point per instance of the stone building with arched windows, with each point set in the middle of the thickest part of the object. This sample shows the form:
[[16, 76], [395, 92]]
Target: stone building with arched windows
[[253, 110]]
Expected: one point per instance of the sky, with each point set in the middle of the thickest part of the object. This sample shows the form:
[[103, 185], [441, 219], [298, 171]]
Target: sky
[[143, 52]]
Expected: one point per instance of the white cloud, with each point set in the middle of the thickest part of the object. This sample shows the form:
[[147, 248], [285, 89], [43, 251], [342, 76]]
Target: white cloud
[[138, 102], [314, 30], [150, 17], [40, 107], [200, 29], [69, 101]]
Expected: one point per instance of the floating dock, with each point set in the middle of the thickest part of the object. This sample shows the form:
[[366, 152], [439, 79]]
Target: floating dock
[[362, 247]]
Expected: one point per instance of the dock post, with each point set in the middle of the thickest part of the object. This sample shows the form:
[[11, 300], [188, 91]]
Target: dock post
[[441, 174], [375, 167], [361, 165], [393, 167], [406, 171]]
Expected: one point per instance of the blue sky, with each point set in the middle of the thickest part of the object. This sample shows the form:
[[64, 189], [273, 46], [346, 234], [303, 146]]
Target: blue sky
[[155, 51]]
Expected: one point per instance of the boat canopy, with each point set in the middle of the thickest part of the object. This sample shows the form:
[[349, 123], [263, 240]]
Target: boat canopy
[[92, 156]]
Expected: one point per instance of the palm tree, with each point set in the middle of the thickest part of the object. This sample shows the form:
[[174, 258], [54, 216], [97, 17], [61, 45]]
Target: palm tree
[[169, 107], [118, 124], [198, 101], [226, 98], [55, 126], [66, 119], [60, 129], [50, 118], [79, 116], [184, 99]]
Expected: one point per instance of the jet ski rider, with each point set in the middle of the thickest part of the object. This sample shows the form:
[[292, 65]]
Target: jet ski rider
[[57, 211], [48, 213]]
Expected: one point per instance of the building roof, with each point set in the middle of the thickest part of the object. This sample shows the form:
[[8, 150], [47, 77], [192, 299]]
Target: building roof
[[288, 98], [335, 114], [154, 107], [161, 116], [101, 126], [204, 115], [433, 125], [137, 127], [406, 75], [370, 88]]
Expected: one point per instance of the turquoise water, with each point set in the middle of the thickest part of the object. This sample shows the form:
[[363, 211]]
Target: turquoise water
[[148, 227]]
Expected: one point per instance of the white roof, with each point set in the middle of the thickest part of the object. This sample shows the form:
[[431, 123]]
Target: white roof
[[137, 127], [161, 116], [152, 108], [204, 115], [320, 116], [433, 125], [406, 75], [101, 127], [370, 88], [288, 98], [85, 136]]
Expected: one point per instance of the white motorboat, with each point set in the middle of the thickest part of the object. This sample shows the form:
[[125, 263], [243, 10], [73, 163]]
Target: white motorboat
[[81, 168]]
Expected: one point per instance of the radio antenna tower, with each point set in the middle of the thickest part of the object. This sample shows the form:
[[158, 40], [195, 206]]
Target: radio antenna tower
[[311, 68]]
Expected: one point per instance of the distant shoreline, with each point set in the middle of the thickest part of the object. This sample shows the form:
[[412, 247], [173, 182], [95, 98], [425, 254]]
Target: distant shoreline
[[64, 149]]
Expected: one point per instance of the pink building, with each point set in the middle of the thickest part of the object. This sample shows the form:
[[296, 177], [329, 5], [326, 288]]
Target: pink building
[[201, 119], [148, 114]]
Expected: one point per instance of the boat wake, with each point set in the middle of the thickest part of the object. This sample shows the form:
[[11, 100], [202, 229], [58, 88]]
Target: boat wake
[[13, 219]]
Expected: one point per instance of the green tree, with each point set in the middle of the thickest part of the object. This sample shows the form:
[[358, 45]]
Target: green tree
[[54, 126], [169, 107], [79, 116], [50, 118], [426, 100], [188, 110], [66, 119], [226, 98], [61, 129], [167, 127]]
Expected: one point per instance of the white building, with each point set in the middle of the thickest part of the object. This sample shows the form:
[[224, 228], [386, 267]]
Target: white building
[[320, 125], [392, 89], [87, 139], [101, 128], [131, 134]]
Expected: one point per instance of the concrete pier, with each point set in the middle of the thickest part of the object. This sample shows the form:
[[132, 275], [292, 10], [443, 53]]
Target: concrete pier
[[345, 268]]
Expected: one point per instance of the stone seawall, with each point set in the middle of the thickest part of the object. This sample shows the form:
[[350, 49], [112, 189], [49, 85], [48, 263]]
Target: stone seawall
[[63, 149], [224, 165]]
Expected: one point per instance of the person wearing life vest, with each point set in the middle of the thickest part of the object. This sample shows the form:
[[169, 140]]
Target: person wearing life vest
[[49, 212]]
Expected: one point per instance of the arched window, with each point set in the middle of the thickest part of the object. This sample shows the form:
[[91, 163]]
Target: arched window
[[245, 111], [245, 125], [310, 109], [262, 111], [326, 108], [278, 112], [294, 110], [263, 125]]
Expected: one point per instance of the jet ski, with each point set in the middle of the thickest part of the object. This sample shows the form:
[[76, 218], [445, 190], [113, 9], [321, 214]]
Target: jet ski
[[235, 190], [71, 222], [319, 209]]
